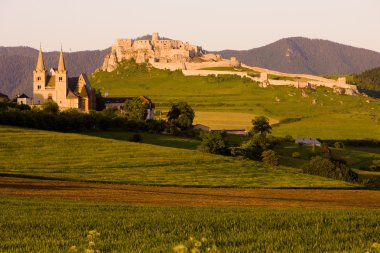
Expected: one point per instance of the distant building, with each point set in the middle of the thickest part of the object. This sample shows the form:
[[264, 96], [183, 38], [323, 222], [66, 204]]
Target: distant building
[[23, 100], [201, 127], [118, 103], [3, 96], [308, 142], [54, 85]]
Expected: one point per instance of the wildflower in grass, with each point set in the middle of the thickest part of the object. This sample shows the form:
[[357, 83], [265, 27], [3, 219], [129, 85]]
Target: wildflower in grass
[[180, 248], [73, 249]]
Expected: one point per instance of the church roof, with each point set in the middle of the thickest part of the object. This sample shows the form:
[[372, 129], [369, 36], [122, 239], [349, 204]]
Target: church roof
[[71, 94], [40, 62], [61, 63], [22, 96], [50, 82]]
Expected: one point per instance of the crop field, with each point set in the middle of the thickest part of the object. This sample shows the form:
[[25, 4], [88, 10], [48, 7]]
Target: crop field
[[320, 113], [226, 120], [77, 157], [40, 225]]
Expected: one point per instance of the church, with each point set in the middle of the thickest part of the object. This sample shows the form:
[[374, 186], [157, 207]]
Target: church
[[55, 85]]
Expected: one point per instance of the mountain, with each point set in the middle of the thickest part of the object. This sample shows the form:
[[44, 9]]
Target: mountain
[[308, 56], [291, 55], [17, 65]]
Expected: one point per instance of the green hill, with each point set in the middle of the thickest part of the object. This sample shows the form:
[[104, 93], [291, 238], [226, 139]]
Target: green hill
[[305, 113]]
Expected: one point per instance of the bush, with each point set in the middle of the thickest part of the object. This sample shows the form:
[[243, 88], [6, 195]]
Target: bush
[[181, 115], [270, 158], [50, 107], [339, 145], [136, 138], [155, 126], [296, 155], [214, 143], [337, 169]]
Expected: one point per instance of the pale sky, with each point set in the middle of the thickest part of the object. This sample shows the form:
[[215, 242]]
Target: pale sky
[[212, 24]]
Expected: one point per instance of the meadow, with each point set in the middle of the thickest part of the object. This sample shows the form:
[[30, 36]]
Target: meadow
[[321, 112], [79, 157], [38, 225]]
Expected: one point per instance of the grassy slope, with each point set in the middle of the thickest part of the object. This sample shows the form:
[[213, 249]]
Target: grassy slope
[[31, 225], [332, 117], [86, 158]]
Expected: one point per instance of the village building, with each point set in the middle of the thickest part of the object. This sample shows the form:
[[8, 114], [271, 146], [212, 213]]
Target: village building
[[118, 103], [23, 100], [201, 127], [55, 85]]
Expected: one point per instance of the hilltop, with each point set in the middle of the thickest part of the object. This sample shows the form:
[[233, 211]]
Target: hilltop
[[308, 56]]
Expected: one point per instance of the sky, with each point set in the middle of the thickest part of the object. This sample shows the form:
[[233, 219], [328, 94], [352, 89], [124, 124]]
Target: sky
[[213, 24]]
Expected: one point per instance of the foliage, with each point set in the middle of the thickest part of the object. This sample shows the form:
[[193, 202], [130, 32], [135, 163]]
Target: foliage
[[155, 126], [135, 109], [44, 225], [339, 145], [50, 107], [260, 126], [214, 142], [182, 115], [270, 158], [196, 246], [336, 169]]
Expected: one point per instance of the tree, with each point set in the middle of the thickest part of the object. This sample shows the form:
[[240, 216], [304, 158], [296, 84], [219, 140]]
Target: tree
[[181, 115], [260, 126], [135, 109], [50, 107], [100, 102], [214, 143]]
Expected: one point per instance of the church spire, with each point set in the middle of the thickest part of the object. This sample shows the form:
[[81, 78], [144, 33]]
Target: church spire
[[40, 62], [61, 64]]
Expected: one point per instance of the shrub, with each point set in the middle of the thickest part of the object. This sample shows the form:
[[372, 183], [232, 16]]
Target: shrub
[[136, 138], [270, 158], [337, 169], [214, 143], [135, 109], [155, 126], [50, 107], [339, 145], [296, 155]]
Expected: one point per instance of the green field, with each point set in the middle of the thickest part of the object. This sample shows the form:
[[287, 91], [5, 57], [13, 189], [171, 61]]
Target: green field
[[33, 225], [332, 116], [44, 154]]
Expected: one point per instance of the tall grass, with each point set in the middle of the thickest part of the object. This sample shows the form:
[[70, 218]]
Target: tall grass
[[30, 225]]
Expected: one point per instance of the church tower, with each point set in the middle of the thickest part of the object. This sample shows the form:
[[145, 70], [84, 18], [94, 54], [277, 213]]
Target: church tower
[[39, 79], [61, 81]]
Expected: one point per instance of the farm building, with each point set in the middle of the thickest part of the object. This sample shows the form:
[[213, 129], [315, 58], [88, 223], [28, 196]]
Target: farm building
[[23, 99], [118, 102], [308, 142]]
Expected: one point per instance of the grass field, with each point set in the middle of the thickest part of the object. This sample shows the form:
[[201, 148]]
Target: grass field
[[331, 116], [36, 225], [45, 154]]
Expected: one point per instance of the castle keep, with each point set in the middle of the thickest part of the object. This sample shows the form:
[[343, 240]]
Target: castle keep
[[55, 85]]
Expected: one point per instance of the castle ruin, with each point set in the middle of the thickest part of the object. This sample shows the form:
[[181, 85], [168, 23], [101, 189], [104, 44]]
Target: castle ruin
[[169, 54]]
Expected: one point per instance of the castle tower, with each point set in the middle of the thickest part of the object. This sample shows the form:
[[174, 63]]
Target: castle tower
[[61, 81], [155, 38], [39, 78]]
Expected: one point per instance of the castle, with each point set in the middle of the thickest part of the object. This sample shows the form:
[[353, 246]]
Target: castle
[[162, 54], [55, 85]]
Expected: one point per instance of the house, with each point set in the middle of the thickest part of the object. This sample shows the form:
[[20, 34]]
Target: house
[[308, 142], [201, 127], [237, 132], [23, 100], [118, 103], [54, 85], [3, 96]]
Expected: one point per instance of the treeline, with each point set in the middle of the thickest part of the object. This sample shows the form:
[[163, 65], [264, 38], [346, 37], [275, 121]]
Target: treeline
[[368, 80], [50, 118]]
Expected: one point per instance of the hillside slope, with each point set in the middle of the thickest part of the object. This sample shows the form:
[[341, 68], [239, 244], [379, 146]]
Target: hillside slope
[[308, 56], [17, 64]]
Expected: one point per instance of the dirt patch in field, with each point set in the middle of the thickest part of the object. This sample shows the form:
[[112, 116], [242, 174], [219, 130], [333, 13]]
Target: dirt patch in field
[[197, 197]]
